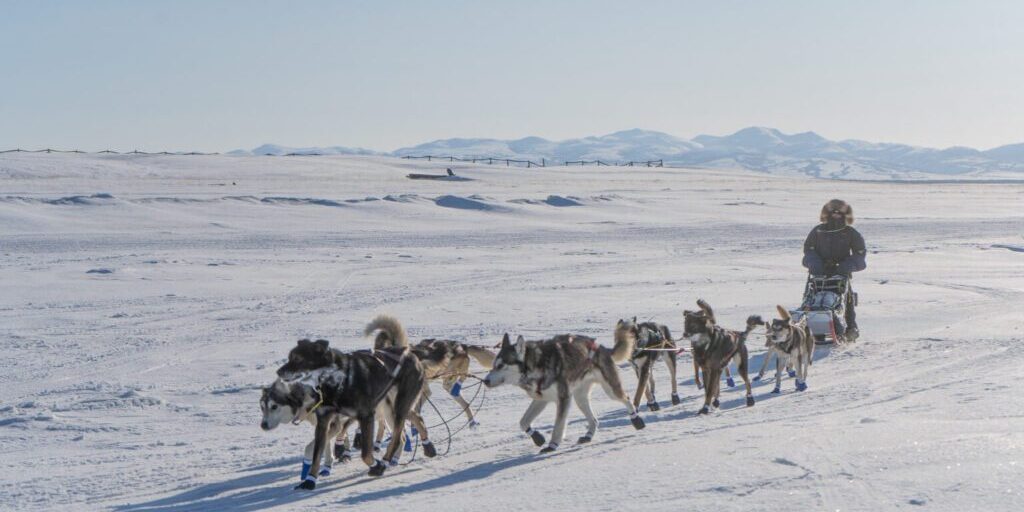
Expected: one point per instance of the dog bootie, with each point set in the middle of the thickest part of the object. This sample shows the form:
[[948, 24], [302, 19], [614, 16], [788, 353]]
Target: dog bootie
[[675, 399], [357, 440], [637, 421], [715, 403], [777, 390], [584, 440], [750, 401], [729, 382], [377, 469], [653, 406], [408, 443], [306, 464], [538, 438], [308, 483], [801, 385], [428, 449], [340, 451], [473, 423], [325, 471], [757, 378], [703, 410], [791, 372], [456, 389], [549, 448]]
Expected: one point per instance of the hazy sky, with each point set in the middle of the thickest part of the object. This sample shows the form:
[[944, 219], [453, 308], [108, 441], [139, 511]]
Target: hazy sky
[[215, 76]]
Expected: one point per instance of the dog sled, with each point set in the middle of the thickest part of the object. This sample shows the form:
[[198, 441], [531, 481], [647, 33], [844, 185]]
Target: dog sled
[[824, 306]]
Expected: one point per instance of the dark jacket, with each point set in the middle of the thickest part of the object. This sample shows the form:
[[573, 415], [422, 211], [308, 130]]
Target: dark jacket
[[834, 251]]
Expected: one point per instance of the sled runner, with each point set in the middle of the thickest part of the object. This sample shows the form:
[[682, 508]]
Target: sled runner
[[824, 306]]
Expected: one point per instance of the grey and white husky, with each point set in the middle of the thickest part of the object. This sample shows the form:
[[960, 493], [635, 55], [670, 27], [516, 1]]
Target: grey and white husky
[[792, 342], [653, 343], [714, 347], [561, 369]]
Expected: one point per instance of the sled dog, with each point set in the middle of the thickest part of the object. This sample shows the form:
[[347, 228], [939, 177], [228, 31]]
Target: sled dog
[[561, 369], [653, 343], [714, 347], [792, 342], [443, 360], [353, 385]]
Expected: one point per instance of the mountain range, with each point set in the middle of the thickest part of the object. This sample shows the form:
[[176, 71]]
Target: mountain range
[[755, 148]]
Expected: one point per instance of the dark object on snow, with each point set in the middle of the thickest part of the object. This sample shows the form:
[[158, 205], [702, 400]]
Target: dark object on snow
[[415, 176]]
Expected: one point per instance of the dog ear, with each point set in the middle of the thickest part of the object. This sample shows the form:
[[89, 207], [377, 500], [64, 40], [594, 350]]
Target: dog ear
[[505, 341], [304, 342], [634, 320], [520, 346], [323, 344], [782, 312]]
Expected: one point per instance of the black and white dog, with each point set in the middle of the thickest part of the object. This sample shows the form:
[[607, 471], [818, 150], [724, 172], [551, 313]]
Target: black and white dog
[[353, 385], [791, 342], [714, 347]]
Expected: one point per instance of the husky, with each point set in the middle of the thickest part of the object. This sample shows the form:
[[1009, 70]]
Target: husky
[[293, 402], [714, 347], [791, 341], [653, 342], [353, 385], [444, 360], [448, 361], [559, 369]]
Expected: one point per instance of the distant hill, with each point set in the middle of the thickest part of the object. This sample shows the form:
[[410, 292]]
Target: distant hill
[[755, 148]]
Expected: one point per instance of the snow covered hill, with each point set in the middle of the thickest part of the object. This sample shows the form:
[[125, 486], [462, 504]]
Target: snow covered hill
[[146, 299], [756, 148]]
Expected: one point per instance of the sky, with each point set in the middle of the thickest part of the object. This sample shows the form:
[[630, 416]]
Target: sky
[[217, 75]]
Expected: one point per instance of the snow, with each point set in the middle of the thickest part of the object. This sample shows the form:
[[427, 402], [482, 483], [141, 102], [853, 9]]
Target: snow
[[137, 388]]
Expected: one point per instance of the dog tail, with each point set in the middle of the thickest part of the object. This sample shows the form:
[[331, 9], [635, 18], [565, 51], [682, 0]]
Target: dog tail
[[391, 334], [625, 342], [482, 355]]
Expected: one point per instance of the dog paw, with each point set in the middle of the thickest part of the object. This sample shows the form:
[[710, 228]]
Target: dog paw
[[344, 459], [377, 469], [715, 403], [549, 448], [584, 440], [306, 464], [675, 399], [792, 373], [429, 449], [730, 382], [340, 451], [703, 410], [801, 386], [653, 406], [537, 437], [776, 391], [307, 485], [473, 424], [377, 447], [750, 401], [637, 421], [757, 378]]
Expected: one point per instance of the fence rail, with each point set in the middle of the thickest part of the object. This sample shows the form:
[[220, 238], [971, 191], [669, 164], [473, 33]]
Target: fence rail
[[430, 158], [529, 163], [105, 151]]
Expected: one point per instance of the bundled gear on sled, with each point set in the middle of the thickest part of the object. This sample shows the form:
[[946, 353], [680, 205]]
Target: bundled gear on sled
[[826, 305]]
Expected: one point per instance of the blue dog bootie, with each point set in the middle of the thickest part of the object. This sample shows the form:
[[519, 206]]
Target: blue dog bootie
[[306, 464], [456, 389]]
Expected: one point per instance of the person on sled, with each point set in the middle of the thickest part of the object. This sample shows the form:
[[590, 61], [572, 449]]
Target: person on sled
[[835, 248]]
